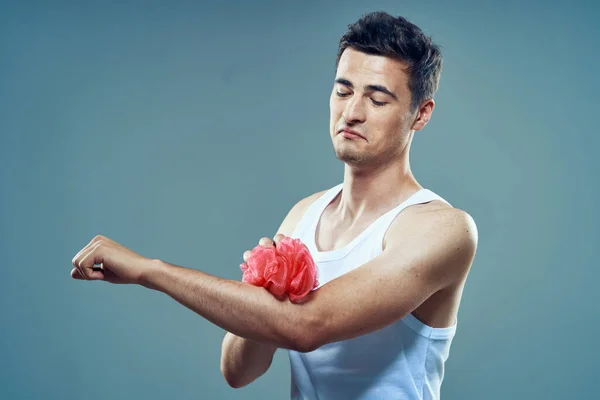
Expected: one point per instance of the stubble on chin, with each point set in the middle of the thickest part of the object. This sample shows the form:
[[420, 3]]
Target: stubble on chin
[[351, 157]]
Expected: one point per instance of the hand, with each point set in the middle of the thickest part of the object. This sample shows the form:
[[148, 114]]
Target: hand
[[265, 242], [118, 264]]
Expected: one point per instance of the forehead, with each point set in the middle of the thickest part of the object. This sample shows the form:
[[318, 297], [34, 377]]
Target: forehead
[[367, 69]]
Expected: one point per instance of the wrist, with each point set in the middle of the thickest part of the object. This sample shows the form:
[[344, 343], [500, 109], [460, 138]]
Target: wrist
[[150, 273]]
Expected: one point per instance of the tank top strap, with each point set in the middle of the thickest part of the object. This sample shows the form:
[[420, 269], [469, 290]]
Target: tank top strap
[[314, 211], [420, 197]]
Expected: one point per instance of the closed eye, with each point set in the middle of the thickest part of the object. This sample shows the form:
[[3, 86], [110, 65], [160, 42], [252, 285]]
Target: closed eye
[[375, 102]]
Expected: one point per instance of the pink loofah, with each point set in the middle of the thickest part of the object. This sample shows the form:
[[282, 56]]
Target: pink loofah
[[287, 268]]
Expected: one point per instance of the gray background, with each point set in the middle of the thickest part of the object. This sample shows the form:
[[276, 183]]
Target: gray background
[[186, 131]]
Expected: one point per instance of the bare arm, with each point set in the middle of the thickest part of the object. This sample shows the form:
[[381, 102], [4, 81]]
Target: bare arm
[[244, 360], [423, 255]]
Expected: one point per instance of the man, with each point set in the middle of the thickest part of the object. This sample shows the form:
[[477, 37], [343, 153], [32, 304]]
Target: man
[[392, 256]]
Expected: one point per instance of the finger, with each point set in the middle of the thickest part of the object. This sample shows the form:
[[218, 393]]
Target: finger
[[92, 243], [246, 255], [278, 238], [75, 274], [79, 262], [79, 254], [80, 271], [75, 263], [97, 275], [94, 276], [266, 242], [86, 264], [77, 259]]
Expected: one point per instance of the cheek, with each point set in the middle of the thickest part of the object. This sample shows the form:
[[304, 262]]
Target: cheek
[[335, 111], [389, 127], [334, 106]]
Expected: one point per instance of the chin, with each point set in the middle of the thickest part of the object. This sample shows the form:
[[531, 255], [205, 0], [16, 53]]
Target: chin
[[351, 157]]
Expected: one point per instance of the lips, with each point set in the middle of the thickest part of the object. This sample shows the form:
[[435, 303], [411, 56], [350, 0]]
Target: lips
[[349, 133]]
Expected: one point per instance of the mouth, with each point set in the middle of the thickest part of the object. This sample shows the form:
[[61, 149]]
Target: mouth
[[350, 134]]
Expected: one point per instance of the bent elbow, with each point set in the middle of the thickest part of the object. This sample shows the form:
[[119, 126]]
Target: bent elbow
[[307, 337], [232, 379], [305, 346]]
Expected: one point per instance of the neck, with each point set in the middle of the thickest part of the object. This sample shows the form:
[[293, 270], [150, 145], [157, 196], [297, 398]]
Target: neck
[[374, 190]]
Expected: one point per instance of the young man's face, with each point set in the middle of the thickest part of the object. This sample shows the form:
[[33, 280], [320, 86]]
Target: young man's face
[[371, 97]]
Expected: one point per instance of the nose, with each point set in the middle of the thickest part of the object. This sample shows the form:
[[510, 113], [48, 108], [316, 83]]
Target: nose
[[354, 111]]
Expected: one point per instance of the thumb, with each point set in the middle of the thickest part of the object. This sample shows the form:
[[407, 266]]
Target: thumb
[[94, 276]]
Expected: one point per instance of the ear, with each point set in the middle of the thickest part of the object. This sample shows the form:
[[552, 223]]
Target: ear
[[423, 115]]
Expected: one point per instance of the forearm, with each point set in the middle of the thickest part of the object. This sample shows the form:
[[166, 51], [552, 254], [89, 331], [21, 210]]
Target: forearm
[[244, 360], [242, 309]]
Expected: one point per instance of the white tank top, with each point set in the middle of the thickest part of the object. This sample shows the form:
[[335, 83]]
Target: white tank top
[[404, 360]]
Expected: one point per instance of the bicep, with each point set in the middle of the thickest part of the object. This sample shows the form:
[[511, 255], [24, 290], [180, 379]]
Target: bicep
[[411, 269]]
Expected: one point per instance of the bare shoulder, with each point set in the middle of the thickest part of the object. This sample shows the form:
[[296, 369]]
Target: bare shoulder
[[437, 215], [296, 212], [444, 235], [434, 215]]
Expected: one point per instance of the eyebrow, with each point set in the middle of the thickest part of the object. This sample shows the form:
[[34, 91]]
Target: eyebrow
[[371, 88]]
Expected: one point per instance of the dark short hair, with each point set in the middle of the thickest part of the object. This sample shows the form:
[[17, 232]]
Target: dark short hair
[[380, 33]]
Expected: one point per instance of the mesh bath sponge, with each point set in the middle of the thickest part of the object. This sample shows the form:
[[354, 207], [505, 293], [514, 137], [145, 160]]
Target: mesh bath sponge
[[287, 268]]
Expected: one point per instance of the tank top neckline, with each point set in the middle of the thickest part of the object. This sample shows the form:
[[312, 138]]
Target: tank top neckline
[[337, 254], [321, 257]]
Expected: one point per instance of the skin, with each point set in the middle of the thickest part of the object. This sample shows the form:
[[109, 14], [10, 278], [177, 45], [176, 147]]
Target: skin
[[427, 251]]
